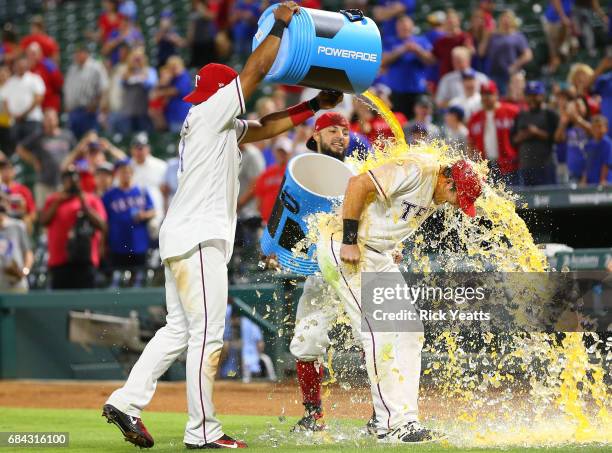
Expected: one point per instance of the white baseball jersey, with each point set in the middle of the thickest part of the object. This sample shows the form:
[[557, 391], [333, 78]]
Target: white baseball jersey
[[405, 199], [204, 206]]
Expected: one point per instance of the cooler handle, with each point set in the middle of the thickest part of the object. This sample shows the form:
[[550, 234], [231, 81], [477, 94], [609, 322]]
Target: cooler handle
[[353, 15]]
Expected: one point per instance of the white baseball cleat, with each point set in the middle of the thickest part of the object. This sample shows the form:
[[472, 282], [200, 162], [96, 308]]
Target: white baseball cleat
[[412, 432]]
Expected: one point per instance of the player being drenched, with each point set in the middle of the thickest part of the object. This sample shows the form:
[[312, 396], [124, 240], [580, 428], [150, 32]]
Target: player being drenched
[[196, 241], [381, 208]]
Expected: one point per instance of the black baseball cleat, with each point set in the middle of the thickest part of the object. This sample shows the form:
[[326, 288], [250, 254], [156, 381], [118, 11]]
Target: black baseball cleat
[[311, 421], [412, 432], [371, 425], [224, 441], [132, 428]]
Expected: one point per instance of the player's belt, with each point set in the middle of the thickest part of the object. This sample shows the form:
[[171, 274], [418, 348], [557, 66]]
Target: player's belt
[[372, 249]]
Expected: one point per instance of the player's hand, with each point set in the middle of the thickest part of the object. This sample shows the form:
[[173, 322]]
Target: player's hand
[[328, 99], [286, 10], [350, 254]]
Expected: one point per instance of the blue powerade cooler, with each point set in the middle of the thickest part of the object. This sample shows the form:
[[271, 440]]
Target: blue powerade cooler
[[313, 182], [326, 50]]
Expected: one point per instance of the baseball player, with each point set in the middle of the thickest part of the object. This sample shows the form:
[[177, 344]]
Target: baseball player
[[381, 209], [318, 306], [196, 240]]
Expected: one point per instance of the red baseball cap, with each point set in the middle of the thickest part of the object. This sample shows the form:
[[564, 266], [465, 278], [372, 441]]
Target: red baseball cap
[[467, 184], [326, 120], [488, 87], [208, 81]]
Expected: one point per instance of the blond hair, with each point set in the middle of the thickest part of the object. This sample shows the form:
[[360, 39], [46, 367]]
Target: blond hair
[[576, 68]]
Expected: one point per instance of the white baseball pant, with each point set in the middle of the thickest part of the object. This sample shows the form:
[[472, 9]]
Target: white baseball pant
[[196, 300], [318, 308], [393, 359]]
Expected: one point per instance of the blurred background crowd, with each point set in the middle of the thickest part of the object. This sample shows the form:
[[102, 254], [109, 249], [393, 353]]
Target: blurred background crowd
[[91, 107]]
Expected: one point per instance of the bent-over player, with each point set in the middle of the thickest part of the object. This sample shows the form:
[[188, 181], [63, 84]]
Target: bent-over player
[[381, 209], [196, 241]]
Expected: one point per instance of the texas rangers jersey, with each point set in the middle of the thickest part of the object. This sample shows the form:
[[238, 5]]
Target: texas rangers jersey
[[405, 199], [204, 206]]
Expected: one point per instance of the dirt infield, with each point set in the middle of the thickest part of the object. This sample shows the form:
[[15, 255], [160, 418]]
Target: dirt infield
[[230, 397]]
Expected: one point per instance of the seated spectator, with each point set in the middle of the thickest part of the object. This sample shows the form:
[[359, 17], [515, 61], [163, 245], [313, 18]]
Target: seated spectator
[[104, 176], [201, 33], [88, 154], [516, 91], [243, 23], [268, 183], [369, 123], [533, 136], [127, 34], [149, 173], [602, 80], [506, 51], [571, 136], [7, 145], [109, 21], [490, 135], [598, 152], [85, 85], [16, 256], [451, 85], [138, 79], [558, 30], [583, 17], [579, 78], [170, 184], [386, 12], [128, 208], [21, 203], [177, 85], [45, 152], [50, 74], [454, 131], [23, 93], [406, 59], [454, 37], [470, 101], [167, 38], [423, 111], [75, 222], [49, 46]]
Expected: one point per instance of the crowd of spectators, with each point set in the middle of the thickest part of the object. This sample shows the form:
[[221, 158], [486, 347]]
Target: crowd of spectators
[[99, 194]]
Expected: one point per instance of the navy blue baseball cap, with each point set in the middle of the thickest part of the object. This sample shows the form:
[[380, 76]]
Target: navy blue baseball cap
[[123, 163], [458, 111], [468, 73], [535, 87]]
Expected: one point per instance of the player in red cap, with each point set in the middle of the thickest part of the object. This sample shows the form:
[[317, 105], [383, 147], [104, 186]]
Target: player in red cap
[[196, 240], [315, 312], [382, 208]]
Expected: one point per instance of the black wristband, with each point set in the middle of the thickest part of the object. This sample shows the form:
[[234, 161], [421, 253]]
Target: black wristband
[[314, 105], [278, 28], [350, 229]]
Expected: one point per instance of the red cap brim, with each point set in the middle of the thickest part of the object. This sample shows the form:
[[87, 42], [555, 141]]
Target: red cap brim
[[196, 96]]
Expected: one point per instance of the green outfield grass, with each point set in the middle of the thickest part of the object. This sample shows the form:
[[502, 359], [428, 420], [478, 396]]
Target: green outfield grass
[[89, 432]]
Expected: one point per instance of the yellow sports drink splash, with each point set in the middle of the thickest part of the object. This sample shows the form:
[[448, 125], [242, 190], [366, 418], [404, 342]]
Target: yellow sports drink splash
[[533, 389]]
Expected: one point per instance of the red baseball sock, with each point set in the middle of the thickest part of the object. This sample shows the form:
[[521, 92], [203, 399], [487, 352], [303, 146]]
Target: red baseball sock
[[310, 375]]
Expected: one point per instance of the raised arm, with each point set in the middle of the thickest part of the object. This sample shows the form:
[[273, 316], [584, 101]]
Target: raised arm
[[357, 192], [261, 60], [276, 123]]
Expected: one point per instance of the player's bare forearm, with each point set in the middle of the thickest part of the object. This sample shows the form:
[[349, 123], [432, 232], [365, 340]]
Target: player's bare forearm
[[267, 127], [261, 60], [359, 187]]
